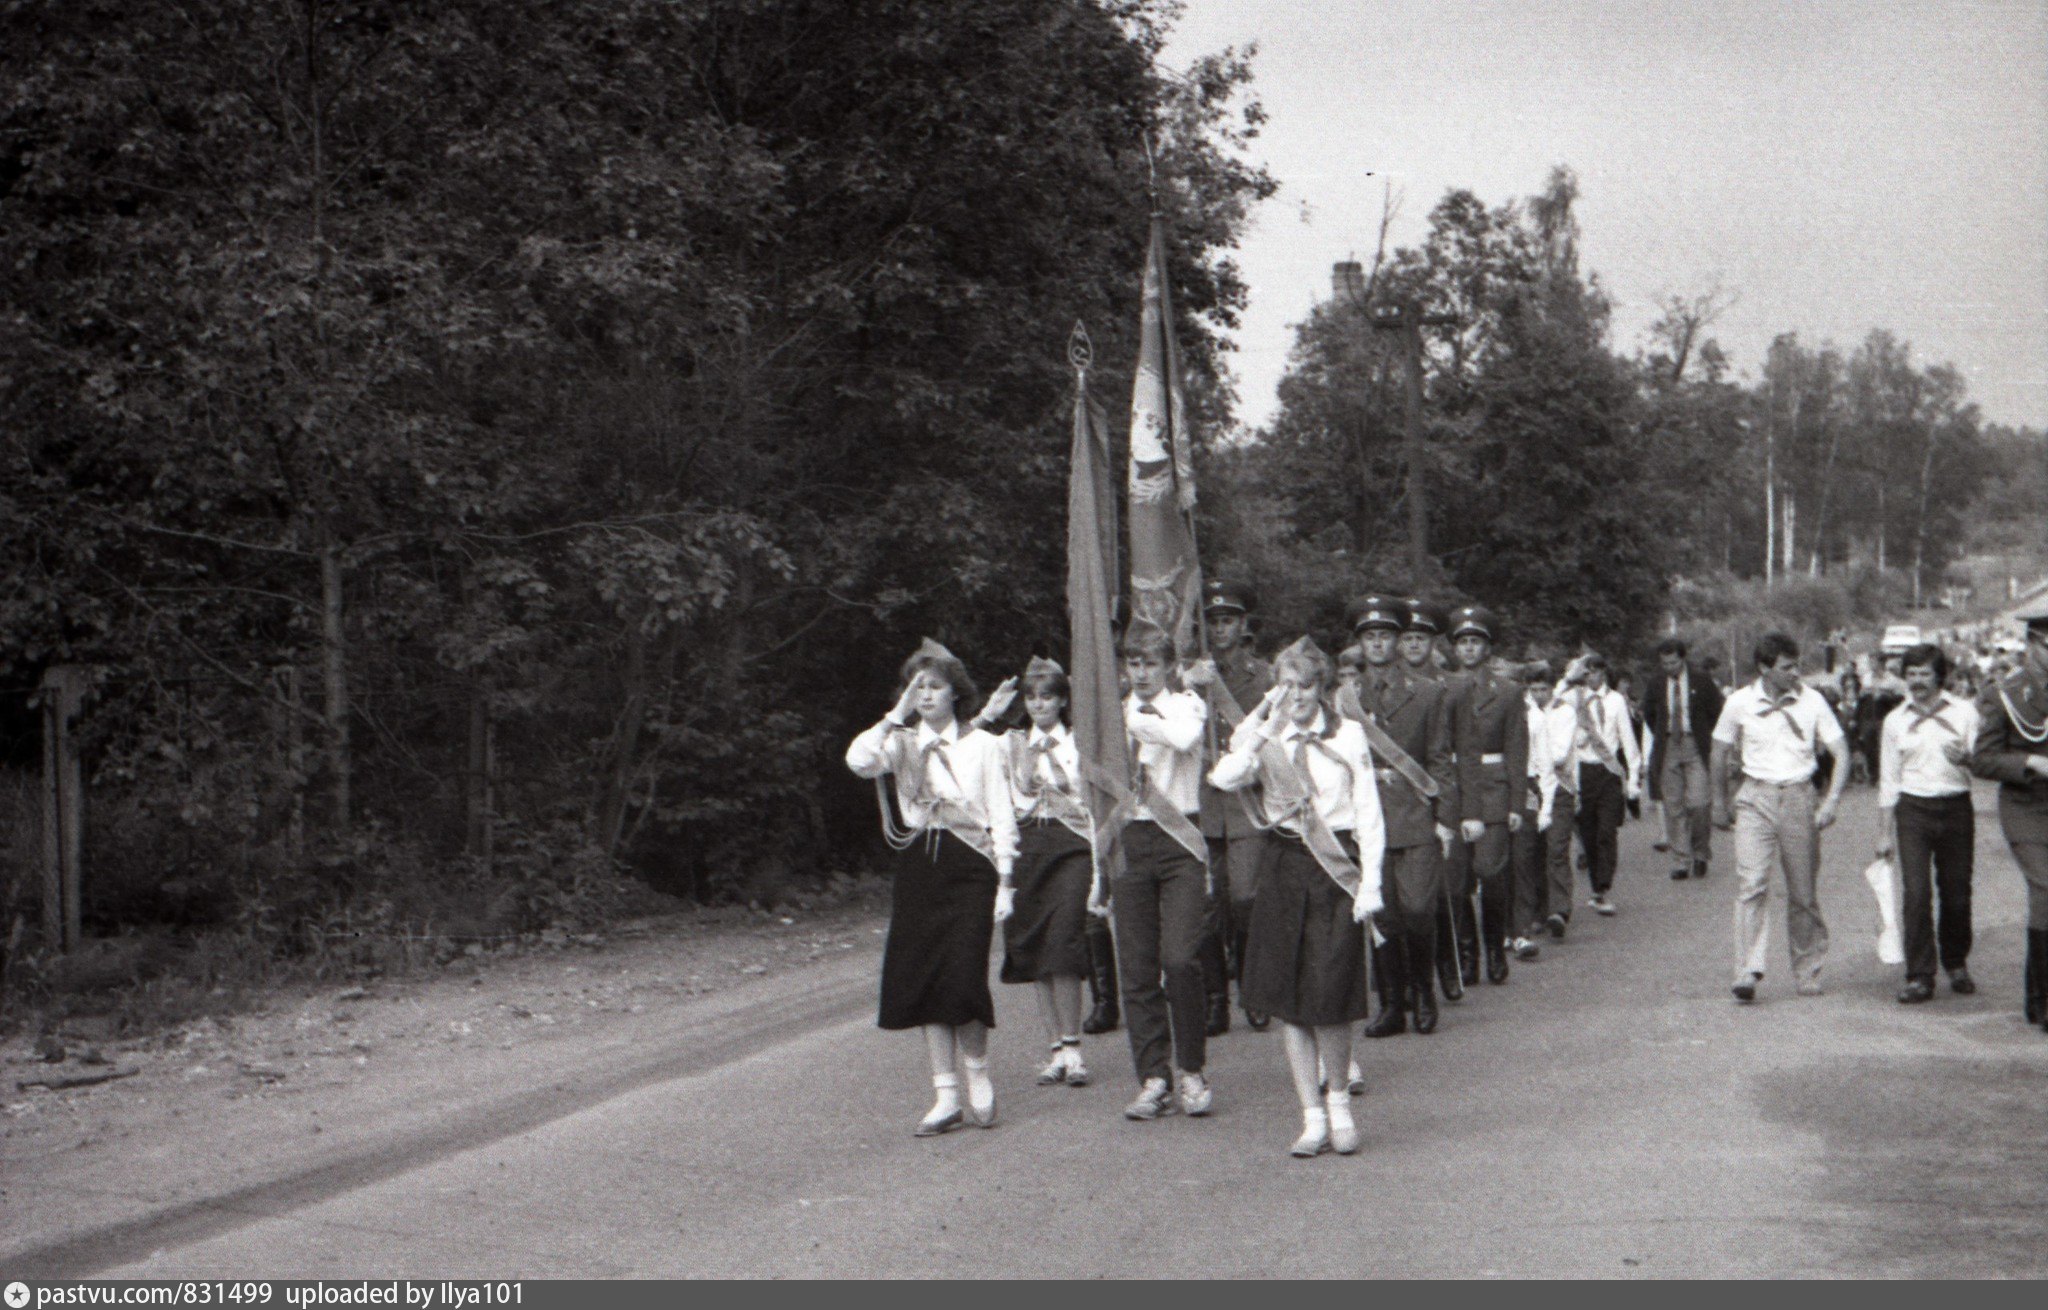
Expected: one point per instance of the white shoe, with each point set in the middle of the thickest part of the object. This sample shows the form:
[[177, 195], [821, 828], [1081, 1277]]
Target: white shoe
[[945, 1115], [1315, 1135], [981, 1094], [1077, 1072], [1155, 1098], [1602, 905], [1195, 1095], [1055, 1070], [1343, 1131]]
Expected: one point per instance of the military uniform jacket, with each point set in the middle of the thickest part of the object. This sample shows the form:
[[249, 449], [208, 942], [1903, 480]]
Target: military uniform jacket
[[1416, 713], [2002, 748], [1490, 738], [1223, 812]]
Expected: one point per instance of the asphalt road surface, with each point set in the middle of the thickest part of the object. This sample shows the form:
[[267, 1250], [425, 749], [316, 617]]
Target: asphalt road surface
[[1609, 1112]]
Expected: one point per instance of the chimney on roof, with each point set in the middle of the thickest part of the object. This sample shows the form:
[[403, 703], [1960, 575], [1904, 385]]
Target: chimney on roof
[[1347, 281]]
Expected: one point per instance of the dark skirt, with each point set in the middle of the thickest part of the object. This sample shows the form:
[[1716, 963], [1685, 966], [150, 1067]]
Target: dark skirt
[[942, 906], [1304, 958], [1043, 937]]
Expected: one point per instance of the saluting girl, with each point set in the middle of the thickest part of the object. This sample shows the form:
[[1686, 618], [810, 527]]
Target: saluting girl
[[1045, 939], [956, 849], [1312, 772]]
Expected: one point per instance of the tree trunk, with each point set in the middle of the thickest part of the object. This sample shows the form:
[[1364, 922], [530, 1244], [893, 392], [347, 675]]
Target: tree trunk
[[611, 808], [1920, 512], [334, 664]]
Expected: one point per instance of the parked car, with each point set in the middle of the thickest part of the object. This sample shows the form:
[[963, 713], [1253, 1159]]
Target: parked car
[[1899, 638]]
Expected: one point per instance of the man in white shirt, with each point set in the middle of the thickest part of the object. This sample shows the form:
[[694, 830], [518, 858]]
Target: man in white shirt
[[1610, 770], [1923, 792], [1770, 732]]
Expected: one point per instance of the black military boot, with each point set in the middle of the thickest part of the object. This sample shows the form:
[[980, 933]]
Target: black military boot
[[2037, 976], [1444, 948], [1101, 977], [1493, 900], [1423, 970], [1390, 976]]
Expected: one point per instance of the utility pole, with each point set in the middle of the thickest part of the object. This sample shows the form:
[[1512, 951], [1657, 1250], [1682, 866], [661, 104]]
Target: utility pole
[[1406, 318]]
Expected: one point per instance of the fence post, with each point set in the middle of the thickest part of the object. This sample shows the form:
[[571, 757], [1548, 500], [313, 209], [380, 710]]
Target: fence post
[[63, 691]]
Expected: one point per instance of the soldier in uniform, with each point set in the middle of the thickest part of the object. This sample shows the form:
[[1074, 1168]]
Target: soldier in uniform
[[1457, 938], [1490, 740], [2012, 749], [1425, 623], [1236, 844], [1414, 715]]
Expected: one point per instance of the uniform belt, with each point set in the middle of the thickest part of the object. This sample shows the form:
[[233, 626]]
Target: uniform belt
[[1761, 782]]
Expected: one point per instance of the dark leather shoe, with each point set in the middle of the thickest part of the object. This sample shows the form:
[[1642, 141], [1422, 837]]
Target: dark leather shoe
[[1556, 925], [1496, 962], [1915, 991], [1447, 977], [1680, 874], [1219, 1015], [1255, 1021], [1699, 868], [1423, 998], [1960, 982]]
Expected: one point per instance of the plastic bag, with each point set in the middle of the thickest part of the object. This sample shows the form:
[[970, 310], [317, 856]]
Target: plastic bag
[[1883, 877]]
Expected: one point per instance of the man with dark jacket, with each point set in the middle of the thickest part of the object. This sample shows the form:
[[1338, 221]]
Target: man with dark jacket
[[2012, 750], [1681, 710], [1490, 738]]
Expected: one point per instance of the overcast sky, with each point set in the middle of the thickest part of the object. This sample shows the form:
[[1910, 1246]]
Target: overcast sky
[[1840, 164]]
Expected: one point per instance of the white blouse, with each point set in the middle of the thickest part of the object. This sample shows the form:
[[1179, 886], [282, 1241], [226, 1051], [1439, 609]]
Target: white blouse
[[1043, 781], [1346, 794], [966, 769]]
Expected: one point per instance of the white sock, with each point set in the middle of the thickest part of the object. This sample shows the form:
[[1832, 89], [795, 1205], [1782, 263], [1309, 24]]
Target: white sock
[[1315, 1119], [1339, 1111], [947, 1085], [981, 1093], [1070, 1052]]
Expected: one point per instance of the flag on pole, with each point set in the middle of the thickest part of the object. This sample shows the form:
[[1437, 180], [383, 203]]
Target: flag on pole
[[1166, 578], [1096, 704]]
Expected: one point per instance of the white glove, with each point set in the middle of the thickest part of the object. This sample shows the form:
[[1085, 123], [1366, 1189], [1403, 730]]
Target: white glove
[[1367, 903], [1006, 902], [1472, 830]]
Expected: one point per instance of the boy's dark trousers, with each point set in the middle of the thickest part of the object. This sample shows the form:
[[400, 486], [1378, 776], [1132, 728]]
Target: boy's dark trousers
[[1161, 909], [1937, 855]]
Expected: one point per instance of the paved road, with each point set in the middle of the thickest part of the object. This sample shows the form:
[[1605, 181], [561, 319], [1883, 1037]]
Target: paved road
[[1608, 1113]]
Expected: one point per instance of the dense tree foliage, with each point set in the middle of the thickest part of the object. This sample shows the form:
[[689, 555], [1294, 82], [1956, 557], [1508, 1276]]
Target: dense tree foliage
[[535, 429], [1589, 496]]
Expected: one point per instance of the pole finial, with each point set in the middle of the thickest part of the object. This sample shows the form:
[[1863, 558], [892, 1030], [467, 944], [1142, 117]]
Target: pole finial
[[1080, 348]]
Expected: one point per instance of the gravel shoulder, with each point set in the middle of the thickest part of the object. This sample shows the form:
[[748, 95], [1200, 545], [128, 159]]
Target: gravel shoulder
[[317, 1089]]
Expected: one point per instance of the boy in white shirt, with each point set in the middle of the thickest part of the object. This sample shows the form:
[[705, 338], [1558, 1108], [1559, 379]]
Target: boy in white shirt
[[1162, 895]]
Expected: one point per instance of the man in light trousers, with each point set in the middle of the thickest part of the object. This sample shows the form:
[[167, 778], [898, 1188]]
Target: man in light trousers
[[1770, 732]]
